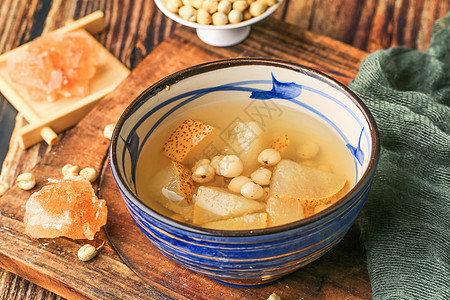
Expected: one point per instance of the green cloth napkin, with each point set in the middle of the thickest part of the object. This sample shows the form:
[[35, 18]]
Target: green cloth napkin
[[406, 220]]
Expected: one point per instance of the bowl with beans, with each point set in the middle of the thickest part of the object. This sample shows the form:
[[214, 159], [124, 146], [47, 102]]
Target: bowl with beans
[[220, 23]]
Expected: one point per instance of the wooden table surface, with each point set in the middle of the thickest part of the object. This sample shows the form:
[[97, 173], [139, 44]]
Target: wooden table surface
[[135, 27]]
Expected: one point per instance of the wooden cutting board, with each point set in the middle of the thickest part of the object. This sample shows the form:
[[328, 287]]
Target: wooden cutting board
[[128, 266]]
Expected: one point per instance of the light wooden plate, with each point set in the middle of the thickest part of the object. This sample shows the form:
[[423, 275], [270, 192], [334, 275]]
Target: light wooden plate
[[48, 118]]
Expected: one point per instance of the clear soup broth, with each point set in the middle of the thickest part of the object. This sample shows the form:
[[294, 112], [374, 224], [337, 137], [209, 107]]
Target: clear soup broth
[[316, 168]]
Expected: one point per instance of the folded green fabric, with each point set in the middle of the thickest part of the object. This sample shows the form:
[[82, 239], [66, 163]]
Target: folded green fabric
[[406, 220]]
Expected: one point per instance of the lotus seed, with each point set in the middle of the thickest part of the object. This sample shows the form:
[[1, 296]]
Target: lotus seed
[[108, 131], [269, 157], [70, 170], [235, 16], [219, 18], [197, 3], [307, 150], [261, 176], [251, 190], [203, 171], [256, 9], [188, 13], [89, 173], [26, 181], [173, 5], [88, 252], [215, 162], [240, 5], [236, 183], [274, 297], [224, 6], [230, 166], [203, 17], [210, 6]]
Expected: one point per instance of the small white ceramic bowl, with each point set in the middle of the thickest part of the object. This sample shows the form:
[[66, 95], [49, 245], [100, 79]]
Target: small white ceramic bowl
[[220, 36]]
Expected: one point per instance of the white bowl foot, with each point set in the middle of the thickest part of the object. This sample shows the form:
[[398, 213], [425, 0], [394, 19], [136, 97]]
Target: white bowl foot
[[223, 37]]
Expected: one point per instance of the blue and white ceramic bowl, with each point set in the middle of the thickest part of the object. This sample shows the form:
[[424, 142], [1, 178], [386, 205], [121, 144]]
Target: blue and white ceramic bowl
[[254, 257]]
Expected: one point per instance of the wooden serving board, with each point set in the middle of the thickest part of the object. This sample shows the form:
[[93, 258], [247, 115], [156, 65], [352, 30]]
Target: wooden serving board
[[130, 267]]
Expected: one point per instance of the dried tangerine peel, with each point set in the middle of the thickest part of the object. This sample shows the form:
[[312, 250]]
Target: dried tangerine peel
[[186, 184], [311, 186], [280, 144], [184, 138], [68, 207]]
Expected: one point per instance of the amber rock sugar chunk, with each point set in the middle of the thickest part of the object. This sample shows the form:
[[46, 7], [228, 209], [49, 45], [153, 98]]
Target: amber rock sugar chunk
[[185, 137], [68, 207], [54, 66]]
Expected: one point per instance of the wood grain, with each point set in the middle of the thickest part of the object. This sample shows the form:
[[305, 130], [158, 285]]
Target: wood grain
[[368, 25], [52, 262], [135, 28]]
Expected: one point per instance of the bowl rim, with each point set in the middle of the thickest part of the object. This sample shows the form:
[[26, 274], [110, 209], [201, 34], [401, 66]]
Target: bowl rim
[[235, 62], [175, 17]]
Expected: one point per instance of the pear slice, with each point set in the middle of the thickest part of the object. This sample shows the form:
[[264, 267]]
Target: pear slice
[[280, 144], [175, 182], [247, 143], [184, 184], [175, 187], [245, 222], [296, 189], [184, 138], [284, 209], [213, 204], [312, 186]]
